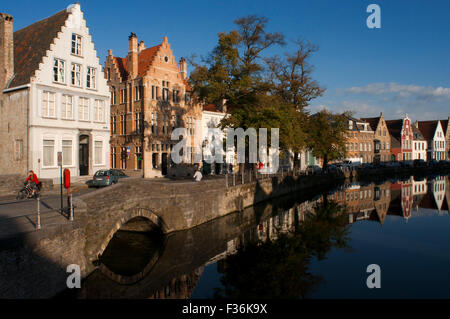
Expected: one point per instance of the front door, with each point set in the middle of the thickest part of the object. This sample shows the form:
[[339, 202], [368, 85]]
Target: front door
[[84, 155], [164, 164]]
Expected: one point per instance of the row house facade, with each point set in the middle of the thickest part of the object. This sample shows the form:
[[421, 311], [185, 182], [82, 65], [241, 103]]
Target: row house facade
[[150, 97], [381, 140], [446, 128], [54, 97], [419, 144], [401, 135], [433, 132], [359, 143]]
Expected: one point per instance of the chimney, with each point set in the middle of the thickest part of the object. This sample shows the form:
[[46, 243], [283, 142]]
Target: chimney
[[132, 56], [224, 106], [182, 67], [141, 47], [6, 49]]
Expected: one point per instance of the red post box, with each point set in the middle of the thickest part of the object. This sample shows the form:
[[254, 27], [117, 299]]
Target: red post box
[[66, 178]]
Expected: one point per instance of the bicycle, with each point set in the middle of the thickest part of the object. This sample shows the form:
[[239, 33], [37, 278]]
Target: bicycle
[[27, 191]]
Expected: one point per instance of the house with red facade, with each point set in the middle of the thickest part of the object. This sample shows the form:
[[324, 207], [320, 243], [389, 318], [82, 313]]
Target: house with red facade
[[401, 139]]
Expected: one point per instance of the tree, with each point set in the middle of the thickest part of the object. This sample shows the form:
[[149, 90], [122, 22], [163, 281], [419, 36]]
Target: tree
[[291, 77], [326, 135], [233, 70]]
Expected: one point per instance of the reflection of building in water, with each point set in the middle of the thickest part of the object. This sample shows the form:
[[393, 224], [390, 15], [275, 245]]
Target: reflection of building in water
[[402, 198], [436, 197], [437, 186], [180, 287], [358, 200], [382, 199]]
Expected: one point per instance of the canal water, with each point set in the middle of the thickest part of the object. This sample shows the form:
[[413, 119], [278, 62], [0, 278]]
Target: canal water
[[303, 246]]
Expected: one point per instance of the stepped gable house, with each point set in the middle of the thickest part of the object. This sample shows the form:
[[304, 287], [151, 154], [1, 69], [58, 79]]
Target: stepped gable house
[[150, 97], [381, 140], [54, 97], [401, 139]]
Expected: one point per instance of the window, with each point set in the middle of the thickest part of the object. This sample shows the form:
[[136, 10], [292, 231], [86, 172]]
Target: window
[[76, 74], [113, 157], [153, 92], [18, 150], [49, 153], [165, 124], [137, 92], [176, 96], [58, 71], [154, 123], [83, 109], [76, 44], [165, 91], [113, 125], [123, 158], [91, 77], [67, 152], [48, 104], [98, 152], [387, 146], [99, 109], [138, 122], [123, 127], [67, 107], [187, 97], [123, 95], [138, 157]]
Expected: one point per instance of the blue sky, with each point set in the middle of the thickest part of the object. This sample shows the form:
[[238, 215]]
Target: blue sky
[[404, 67]]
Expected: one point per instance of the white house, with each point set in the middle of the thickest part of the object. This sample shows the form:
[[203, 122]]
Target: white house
[[434, 134], [420, 145], [68, 98]]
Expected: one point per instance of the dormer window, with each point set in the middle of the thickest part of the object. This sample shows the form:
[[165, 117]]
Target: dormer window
[[58, 71], [76, 44], [350, 125]]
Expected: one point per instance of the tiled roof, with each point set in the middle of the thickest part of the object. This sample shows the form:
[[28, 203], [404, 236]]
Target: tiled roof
[[427, 128], [145, 59], [395, 128], [373, 122], [395, 143], [444, 124], [417, 135], [31, 44], [210, 108]]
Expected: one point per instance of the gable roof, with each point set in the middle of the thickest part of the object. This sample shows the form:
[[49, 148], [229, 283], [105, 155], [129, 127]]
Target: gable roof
[[395, 143], [444, 124], [417, 135], [373, 122], [395, 128], [427, 128], [31, 44], [145, 60]]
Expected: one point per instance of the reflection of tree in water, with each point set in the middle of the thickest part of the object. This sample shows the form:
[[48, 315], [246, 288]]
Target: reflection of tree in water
[[280, 268]]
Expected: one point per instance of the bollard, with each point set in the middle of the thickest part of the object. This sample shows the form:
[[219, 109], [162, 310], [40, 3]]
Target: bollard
[[234, 179], [226, 179], [70, 208], [38, 224], [242, 177]]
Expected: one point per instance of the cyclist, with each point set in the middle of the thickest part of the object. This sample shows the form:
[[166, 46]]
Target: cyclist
[[33, 181]]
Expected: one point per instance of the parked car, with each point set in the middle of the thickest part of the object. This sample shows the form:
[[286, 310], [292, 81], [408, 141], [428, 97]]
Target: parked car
[[393, 165], [367, 166], [433, 163], [106, 177], [406, 164], [419, 163], [313, 169]]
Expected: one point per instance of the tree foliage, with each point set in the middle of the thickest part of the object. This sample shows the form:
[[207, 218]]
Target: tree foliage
[[326, 135], [260, 91]]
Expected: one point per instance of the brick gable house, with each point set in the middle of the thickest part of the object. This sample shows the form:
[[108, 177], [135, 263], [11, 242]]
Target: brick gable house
[[53, 97], [381, 139], [150, 97], [401, 139]]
